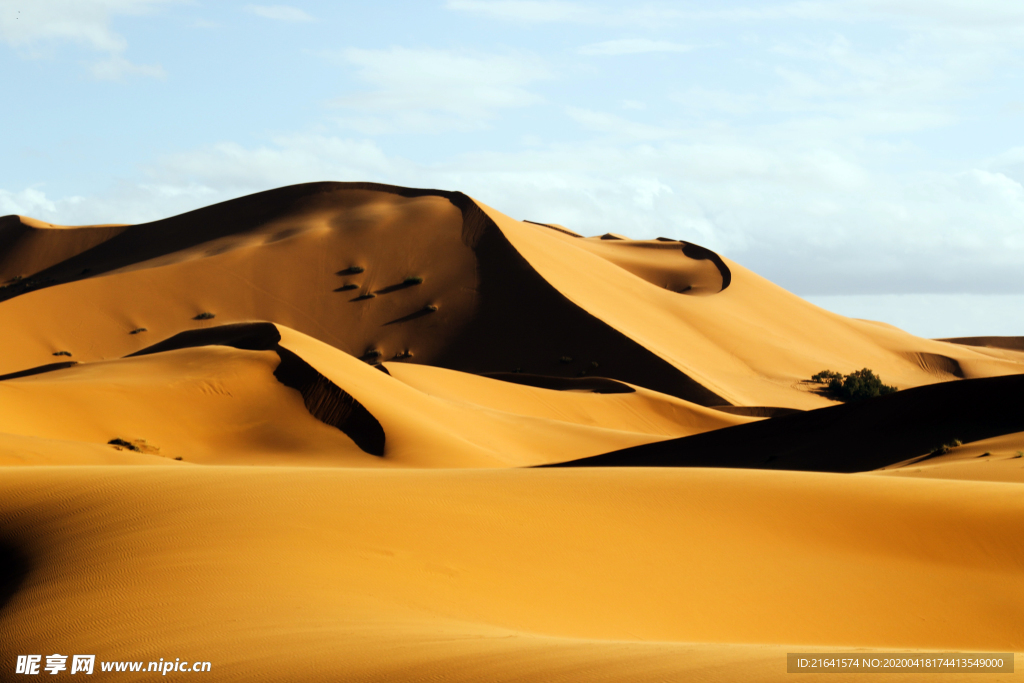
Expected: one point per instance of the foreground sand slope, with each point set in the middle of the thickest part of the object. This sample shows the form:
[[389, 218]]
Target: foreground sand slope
[[216, 404], [432, 277], [464, 575]]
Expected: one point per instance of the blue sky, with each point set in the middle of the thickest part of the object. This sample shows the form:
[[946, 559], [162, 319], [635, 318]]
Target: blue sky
[[866, 155]]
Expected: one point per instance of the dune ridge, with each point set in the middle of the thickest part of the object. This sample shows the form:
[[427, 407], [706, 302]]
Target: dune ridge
[[359, 432], [855, 437], [498, 283], [325, 400]]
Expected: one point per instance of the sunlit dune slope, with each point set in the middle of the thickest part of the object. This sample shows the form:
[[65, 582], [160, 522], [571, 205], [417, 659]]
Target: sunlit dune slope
[[496, 574], [854, 437], [260, 393], [752, 343], [304, 435], [435, 278], [999, 458]]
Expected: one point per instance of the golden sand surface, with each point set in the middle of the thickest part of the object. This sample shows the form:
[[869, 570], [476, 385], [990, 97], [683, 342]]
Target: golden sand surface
[[296, 435]]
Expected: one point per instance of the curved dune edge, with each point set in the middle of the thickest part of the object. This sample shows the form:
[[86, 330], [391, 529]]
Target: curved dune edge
[[212, 396], [538, 567], [598, 385], [1011, 343], [232, 260], [708, 338], [505, 295], [515, 295], [854, 437], [673, 265], [325, 400], [998, 458]]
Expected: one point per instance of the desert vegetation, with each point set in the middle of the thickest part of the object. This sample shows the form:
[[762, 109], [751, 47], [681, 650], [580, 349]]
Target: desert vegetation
[[856, 386], [948, 448]]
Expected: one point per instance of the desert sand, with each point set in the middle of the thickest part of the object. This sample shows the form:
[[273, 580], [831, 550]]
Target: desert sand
[[355, 432]]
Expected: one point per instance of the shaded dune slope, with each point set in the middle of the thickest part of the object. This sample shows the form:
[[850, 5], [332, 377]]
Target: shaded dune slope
[[260, 393], [751, 344], [325, 400], [30, 248], [491, 312], [854, 437], [433, 277], [38, 370]]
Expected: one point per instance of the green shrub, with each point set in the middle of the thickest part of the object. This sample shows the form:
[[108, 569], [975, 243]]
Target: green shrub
[[855, 386], [413, 281], [430, 308], [138, 330], [62, 353], [205, 315], [826, 376]]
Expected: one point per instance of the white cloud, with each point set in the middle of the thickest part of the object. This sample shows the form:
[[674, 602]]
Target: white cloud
[[983, 17], [279, 12], [190, 180], [229, 168], [429, 90], [618, 127], [116, 67], [632, 46], [29, 202], [935, 316], [35, 28], [528, 11], [816, 220]]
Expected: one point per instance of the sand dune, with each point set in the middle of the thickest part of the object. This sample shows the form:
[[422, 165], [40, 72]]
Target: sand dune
[[242, 394], [497, 565], [1000, 458], [307, 435], [855, 437], [497, 295]]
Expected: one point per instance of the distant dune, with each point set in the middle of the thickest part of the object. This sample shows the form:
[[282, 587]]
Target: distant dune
[[351, 431]]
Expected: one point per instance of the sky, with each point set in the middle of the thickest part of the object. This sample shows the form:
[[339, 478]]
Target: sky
[[867, 155]]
